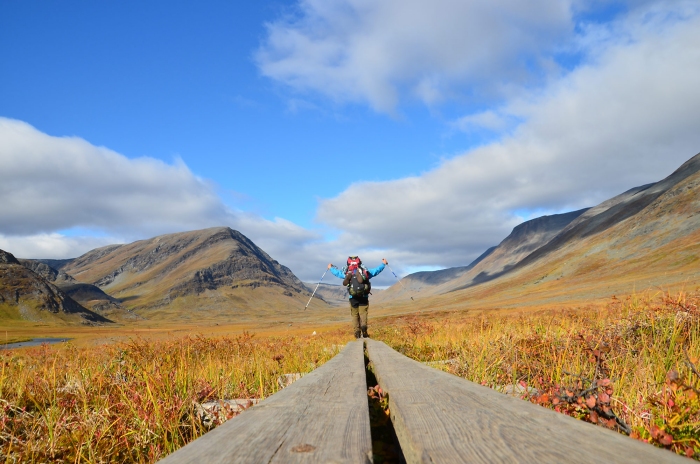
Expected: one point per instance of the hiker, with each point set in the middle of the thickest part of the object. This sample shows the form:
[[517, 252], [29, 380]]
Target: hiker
[[356, 277]]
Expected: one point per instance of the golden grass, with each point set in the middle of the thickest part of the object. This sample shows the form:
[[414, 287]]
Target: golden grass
[[134, 401], [622, 365], [630, 365]]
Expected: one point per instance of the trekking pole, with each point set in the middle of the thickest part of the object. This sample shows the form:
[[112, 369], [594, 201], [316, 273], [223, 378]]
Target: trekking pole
[[317, 285], [397, 278]]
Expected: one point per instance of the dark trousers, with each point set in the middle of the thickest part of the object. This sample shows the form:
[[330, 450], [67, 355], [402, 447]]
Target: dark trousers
[[358, 312]]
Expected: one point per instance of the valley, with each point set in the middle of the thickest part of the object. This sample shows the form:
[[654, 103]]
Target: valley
[[607, 295], [218, 281]]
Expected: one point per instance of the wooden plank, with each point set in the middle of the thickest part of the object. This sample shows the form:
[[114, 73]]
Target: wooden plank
[[439, 417], [322, 417]]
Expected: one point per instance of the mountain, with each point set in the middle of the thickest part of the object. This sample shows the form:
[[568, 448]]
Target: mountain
[[522, 241], [494, 262], [89, 296], [420, 280], [179, 275], [662, 208], [334, 294], [56, 264], [647, 236], [28, 296]]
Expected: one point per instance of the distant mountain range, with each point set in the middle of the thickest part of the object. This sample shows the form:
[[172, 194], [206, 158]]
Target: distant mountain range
[[633, 237], [649, 235], [334, 294], [198, 275]]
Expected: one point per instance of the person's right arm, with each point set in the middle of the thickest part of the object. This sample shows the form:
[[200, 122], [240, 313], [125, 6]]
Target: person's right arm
[[336, 272]]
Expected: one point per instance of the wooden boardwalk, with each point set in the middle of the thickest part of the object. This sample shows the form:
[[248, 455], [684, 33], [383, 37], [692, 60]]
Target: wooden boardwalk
[[322, 417], [438, 418]]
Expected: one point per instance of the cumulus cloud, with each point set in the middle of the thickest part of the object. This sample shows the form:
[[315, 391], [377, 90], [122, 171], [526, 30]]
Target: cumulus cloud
[[100, 197], [375, 51], [626, 118], [54, 183], [53, 245]]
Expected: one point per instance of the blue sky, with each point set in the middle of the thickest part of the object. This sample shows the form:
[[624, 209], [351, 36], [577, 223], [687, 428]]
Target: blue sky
[[171, 79], [320, 128]]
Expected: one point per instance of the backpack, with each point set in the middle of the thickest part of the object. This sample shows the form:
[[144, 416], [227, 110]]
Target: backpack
[[354, 262], [357, 278]]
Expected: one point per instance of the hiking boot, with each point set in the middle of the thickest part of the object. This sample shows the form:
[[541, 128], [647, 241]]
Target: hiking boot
[[364, 332], [358, 334]]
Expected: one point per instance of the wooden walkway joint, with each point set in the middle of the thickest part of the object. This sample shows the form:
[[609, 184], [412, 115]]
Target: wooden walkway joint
[[437, 417]]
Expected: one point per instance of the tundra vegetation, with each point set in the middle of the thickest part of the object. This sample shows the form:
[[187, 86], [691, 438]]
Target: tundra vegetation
[[631, 365]]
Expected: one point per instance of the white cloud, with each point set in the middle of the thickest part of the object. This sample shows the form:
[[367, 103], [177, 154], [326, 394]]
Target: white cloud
[[627, 118], [52, 184], [375, 51], [53, 245], [489, 120], [55, 183]]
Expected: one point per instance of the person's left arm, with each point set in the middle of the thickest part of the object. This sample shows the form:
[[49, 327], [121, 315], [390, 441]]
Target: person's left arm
[[374, 271]]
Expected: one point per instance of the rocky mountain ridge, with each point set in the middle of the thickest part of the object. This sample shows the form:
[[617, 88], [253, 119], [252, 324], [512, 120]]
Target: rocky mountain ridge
[[30, 296], [494, 262], [626, 230], [219, 263], [88, 295]]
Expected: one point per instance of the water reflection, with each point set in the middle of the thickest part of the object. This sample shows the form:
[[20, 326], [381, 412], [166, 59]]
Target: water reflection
[[34, 342]]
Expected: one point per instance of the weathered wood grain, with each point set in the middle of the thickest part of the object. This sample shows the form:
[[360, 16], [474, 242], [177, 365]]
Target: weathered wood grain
[[322, 417], [439, 417]]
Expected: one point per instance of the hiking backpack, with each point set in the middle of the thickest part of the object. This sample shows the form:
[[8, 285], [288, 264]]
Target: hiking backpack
[[357, 278]]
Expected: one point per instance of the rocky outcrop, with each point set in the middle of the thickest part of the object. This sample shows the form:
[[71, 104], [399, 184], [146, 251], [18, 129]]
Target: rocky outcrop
[[44, 270], [7, 258], [494, 262], [87, 295], [21, 285]]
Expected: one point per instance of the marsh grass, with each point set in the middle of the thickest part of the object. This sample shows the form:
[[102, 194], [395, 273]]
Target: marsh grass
[[135, 402], [630, 366]]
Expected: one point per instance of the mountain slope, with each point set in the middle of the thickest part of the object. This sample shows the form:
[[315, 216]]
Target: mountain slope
[[215, 269], [646, 237], [88, 295], [523, 240], [27, 296], [333, 294], [419, 280], [675, 191]]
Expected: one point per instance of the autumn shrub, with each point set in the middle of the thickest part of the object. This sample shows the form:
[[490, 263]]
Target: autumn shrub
[[135, 401], [629, 366]]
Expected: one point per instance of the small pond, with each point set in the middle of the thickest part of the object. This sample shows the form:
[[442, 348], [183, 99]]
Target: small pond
[[33, 342]]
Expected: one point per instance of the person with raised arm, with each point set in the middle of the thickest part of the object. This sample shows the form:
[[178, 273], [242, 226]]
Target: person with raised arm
[[356, 277]]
